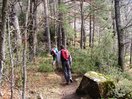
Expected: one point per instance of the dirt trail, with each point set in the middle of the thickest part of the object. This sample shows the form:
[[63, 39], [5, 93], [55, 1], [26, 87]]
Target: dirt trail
[[53, 87], [46, 85]]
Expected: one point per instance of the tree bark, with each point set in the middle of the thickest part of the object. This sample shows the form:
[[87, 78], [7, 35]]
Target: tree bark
[[11, 59], [113, 19], [82, 25], [84, 38], [93, 29], [55, 26], [59, 35], [15, 23], [63, 35], [90, 28], [61, 32], [18, 40], [30, 30], [47, 24], [120, 35], [131, 53], [90, 31], [34, 29], [75, 34], [24, 62], [64, 38], [2, 36]]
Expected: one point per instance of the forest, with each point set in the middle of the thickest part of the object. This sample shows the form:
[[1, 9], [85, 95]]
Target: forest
[[97, 34]]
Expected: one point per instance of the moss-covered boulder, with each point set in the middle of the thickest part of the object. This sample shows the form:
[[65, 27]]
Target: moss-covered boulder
[[95, 85]]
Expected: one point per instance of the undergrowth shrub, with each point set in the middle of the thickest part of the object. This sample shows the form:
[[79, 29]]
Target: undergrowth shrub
[[114, 72], [104, 53], [123, 88], [101, 54], [45, 66], [82, 61]]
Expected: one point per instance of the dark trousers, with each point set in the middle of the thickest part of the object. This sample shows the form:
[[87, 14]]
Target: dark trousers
[[66, 70]]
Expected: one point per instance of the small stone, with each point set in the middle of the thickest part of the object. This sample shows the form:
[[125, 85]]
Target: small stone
[[40, 96], [1, 94]]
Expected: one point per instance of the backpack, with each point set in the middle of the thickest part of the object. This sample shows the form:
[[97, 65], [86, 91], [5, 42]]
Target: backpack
[[65, 54], [54, 51]]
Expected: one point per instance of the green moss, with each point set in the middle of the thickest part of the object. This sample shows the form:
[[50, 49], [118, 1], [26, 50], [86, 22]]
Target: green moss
[[97, 76], [106, 88]]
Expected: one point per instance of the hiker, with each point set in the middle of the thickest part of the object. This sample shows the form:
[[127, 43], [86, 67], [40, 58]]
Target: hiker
[[54, 52], [58, 61], [65, 57]]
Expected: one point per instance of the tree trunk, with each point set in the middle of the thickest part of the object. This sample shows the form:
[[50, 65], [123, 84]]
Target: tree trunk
[[55, 14], [61, 31], [15, 23], [119, 35], [126, 31], [18, 40], [75, 31], [90, 29], [24, 62], [35, 29], [30, 30], [63, 34], [2, 36], [113, 19], [93, 30], [84, 38], [82, 25], [11, 59], [47, 24], [131, 53], [75, 34], [59, 35]]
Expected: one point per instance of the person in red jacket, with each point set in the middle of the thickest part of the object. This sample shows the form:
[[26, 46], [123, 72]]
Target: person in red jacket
[[65, 57]]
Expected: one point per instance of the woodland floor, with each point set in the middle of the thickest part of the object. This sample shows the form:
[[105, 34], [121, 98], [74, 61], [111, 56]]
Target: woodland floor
[[46, 85]]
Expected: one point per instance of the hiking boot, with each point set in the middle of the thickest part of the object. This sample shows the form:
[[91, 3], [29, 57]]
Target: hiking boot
[[71, 80]]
